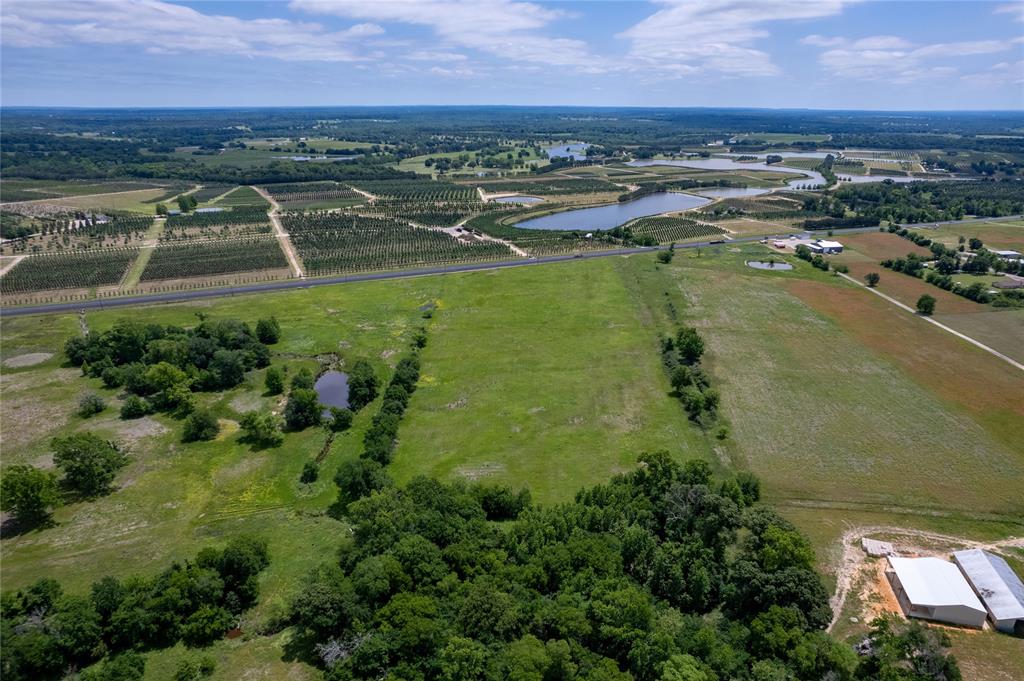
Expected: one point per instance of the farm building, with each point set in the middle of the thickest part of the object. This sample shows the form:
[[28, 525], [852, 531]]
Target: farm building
[[825, 246], [934, 589], [1007, 255], [999, 588]]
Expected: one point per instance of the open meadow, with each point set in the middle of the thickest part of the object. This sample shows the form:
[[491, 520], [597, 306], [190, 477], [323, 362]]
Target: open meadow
[[546, 377]]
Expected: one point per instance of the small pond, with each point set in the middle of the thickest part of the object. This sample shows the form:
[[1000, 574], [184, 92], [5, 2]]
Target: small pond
[[609, 217], [769, 265], [518, 199], [577, 150], [332, 390]]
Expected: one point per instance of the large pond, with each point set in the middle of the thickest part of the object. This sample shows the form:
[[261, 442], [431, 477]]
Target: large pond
[[518, 199], [731, 192], [577, 150], [807, 177], [609, 217], [332, 390]]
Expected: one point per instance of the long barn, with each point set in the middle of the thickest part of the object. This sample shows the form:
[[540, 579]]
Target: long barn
[[998, 587], [934, 589]]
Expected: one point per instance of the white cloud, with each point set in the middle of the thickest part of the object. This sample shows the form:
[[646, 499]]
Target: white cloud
[[1012, 8], [894, 59], [436, 56], [508, 29], [1001, 74], [687, 36], [822, 41], [166, 28]]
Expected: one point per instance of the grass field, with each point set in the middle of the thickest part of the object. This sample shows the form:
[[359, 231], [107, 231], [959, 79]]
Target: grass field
[[1003, 234], [849, 409], [138, 201]]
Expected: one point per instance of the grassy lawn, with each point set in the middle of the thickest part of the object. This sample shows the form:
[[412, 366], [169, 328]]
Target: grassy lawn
[[548, 377], [133, 201], [558, 396], [1005, 235]]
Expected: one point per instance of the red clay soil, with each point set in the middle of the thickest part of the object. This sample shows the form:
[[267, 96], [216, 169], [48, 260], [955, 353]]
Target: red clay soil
[[881, 245], [908, 289], [956, 371]]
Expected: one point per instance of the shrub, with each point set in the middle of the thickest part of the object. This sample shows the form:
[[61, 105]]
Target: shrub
[[268, 331], [362, 385], [200, 425], [665, 257], [303, 409], [872, 279], [303, 379], [341, 419], [310, 472], [89, 463], [926, 305], [274, 381], [262, 428], [29, 493], [135, 407], [90, 404]]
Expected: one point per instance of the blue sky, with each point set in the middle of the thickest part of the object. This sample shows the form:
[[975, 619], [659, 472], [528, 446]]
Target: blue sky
[[820, 54]]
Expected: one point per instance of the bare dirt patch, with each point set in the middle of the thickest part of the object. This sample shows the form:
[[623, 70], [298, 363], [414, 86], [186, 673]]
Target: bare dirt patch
[[27, 360], [128, 432], [882, 245]]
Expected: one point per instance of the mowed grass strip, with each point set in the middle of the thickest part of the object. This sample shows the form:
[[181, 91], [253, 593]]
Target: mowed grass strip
[[546, 377]]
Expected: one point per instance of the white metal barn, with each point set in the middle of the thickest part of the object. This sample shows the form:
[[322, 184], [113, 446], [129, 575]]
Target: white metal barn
[[999, 588], [934, 589]]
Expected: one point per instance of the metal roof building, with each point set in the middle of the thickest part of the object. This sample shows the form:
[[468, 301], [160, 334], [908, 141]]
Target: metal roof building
[[935, 589], [999, 588]]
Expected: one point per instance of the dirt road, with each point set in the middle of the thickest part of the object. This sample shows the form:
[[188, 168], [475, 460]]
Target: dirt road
[[282, 236]]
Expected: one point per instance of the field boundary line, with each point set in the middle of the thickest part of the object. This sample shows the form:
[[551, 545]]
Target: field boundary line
[[976, 343], [282, 236]]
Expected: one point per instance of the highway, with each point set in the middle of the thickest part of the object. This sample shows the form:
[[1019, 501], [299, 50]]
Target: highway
[[184, 296]]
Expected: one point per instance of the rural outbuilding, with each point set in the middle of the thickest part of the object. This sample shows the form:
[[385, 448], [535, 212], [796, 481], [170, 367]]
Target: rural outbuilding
[[999, 588], [825, 246], [935, 589], [1008, 255]]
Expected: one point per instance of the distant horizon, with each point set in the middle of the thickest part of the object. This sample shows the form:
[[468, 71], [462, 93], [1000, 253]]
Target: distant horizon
[[830, 55], [611, 107]]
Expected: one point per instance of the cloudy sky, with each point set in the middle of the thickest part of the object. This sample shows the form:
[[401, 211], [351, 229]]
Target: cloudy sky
[[860, 54]]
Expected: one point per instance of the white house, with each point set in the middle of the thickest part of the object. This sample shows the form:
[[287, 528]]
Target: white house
[[825, 246], [935, 589], [998, 587]]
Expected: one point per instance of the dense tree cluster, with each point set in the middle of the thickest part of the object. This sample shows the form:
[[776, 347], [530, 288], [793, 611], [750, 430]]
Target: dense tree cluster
[[933, 201], [664, 573], [46, 632], [160, 366]]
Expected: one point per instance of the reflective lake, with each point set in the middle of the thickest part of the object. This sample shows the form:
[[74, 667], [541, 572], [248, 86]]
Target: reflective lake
[[608, 217], [807, 177], [518, 199], [731, 192], [577, 150], [332, 390]]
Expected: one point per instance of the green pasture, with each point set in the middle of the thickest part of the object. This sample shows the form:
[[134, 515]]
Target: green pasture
[[545, 376]]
